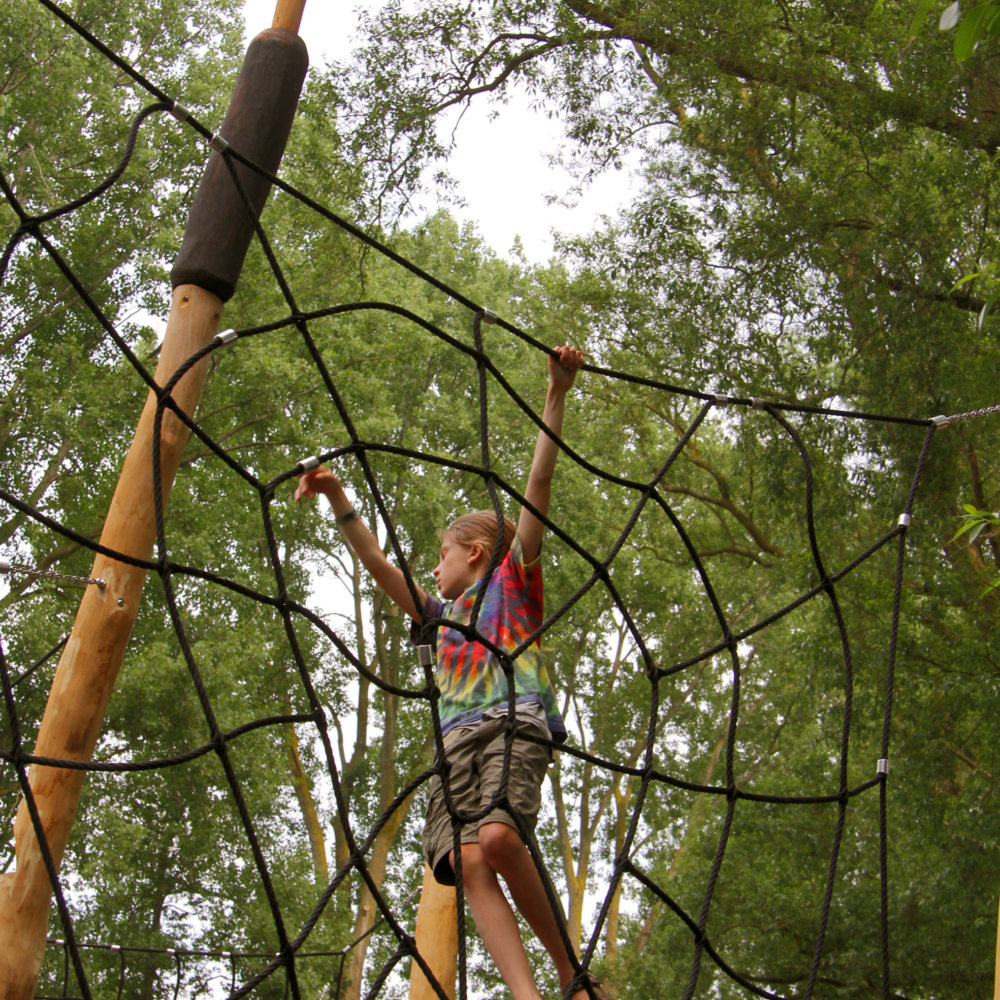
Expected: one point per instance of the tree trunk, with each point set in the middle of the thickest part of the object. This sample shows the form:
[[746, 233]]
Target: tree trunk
[[303, 794], [388, 783]]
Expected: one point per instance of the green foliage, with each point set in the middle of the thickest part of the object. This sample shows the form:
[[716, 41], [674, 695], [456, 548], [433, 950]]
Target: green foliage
[[811, 201], [981, 22], [982, 526], [813, 197]]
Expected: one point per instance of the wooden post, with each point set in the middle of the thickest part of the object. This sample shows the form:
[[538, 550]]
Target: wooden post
[[204, 276], [93, 655], [288, 14], [437, 939]]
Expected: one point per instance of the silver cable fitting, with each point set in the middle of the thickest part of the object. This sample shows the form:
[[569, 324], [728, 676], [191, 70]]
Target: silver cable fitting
[[425, 655], [218, 143], [180, 112], [883, 765], [904, 520], [940, 420], [225, 337], [5, 566], [489, 316], [312, 462]]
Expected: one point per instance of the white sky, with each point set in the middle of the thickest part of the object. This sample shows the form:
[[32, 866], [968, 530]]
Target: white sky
[[501, 164]]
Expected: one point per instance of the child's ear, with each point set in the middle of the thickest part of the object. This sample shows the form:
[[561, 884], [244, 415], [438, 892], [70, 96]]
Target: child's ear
[[476, 552]]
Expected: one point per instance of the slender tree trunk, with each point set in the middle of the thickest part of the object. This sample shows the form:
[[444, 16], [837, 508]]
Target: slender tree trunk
[[622, 798], [148, 963], [387, 784], [366, 906], [303, 795]]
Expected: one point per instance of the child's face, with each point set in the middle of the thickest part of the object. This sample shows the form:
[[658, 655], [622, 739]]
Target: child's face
[[456, 568]]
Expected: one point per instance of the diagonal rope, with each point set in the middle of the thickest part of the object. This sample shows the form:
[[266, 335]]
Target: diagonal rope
[[649, 494]]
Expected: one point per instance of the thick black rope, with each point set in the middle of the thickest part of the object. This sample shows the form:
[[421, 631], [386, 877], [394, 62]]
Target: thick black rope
[[178, 956], [31, 229], [17, 757]]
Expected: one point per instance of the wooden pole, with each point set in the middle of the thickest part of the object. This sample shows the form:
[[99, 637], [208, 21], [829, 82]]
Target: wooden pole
[[218, 234], [288, 15], [93, 655], [437, 939]]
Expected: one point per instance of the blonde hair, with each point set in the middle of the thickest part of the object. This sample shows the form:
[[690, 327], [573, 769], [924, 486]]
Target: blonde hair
[[480, 527]]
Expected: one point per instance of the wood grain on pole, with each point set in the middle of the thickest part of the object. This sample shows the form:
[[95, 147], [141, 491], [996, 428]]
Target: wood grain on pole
[[288, 14], [90, 662], [437, 939]]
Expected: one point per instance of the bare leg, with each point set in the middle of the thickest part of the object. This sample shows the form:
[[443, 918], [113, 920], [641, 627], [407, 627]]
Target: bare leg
[[507, 855], [496, 923]]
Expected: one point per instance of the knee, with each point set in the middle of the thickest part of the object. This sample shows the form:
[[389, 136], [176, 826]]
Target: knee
[[501, 845], [474, 863]]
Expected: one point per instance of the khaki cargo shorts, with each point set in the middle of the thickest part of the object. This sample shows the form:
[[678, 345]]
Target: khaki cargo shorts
[[475, 758]]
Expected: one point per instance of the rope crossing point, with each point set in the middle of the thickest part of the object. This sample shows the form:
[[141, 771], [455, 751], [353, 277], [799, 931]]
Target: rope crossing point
[[629, 868]]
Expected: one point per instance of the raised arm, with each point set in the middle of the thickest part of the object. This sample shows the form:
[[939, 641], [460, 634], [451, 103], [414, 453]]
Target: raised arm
[[562, 371], [389, 577]]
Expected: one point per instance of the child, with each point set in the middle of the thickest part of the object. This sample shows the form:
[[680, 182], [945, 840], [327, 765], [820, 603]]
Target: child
[[474, 697]]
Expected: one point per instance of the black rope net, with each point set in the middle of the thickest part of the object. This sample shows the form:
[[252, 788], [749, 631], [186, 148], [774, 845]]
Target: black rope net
[[648, 761]]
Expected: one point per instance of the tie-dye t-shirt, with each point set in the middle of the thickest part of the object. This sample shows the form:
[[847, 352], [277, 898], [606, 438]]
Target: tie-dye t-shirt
[[469, 675]]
